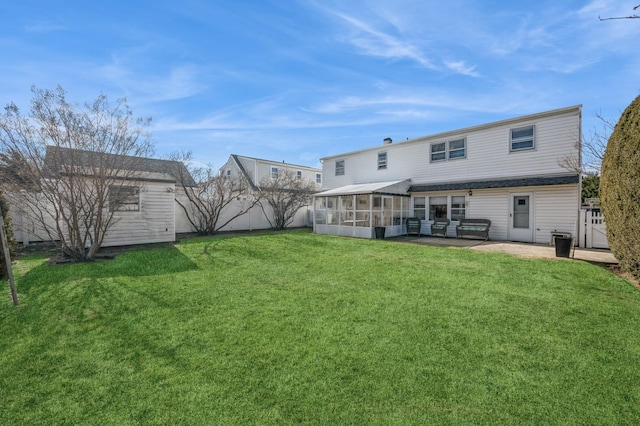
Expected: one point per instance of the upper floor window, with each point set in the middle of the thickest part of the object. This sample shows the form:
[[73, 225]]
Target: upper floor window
[[382, 160], [229, 173], [449, 150], [274, 172], [522, 138], [457, 148], [339, 167], [299, 174], [124, 198], [318, 178]]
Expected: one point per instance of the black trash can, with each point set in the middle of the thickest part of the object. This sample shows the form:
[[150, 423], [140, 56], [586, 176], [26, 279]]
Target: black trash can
[[563, 246], [380, 232]]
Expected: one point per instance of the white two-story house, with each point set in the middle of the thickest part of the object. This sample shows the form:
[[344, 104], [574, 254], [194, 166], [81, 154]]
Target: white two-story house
[[256, 171], [512, 172]]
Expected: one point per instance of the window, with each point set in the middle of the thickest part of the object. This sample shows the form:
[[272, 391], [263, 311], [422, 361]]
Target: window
[[457, 207], [274, 172], [522, 138], [457, 148], [228, 172], [339, 167], [450, 150], [419, 208], [437, 208], [299, 174], [438, 151], [382, 160], [318, 178], [124, 198]]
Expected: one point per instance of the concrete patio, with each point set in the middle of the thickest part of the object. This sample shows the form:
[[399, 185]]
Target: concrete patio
[[513, 248]]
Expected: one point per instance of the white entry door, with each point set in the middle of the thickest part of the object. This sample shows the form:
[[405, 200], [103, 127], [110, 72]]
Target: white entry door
[[521, 217]]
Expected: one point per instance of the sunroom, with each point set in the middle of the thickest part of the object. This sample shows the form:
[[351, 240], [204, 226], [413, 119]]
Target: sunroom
[[357, 210]]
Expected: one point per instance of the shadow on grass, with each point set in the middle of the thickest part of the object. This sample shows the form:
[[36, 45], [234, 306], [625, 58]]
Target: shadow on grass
[[137, 263]]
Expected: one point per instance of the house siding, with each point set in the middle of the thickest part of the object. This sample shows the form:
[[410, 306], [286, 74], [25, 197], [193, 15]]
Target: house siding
[[488, 175], [153, 223], [556, 138]]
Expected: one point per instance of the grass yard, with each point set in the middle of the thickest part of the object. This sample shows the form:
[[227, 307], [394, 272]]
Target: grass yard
[[293, 328]]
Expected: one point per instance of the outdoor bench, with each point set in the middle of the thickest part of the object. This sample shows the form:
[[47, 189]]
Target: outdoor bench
[[473, 227], [439, 227]]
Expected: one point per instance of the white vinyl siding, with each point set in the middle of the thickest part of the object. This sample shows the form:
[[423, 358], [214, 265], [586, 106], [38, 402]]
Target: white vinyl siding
[[154, 222], [487, 154]]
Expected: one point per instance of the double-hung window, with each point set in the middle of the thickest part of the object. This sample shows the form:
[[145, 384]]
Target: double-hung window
[[457, 207], [299, 174], [382, 160], [438, 151], [449, 150], [318, 178], [457, 149], [339, 167], [274, 173], [419, 208], [522, 138]]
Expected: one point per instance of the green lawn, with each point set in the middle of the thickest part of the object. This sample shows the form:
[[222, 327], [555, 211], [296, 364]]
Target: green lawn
[[292, 327]]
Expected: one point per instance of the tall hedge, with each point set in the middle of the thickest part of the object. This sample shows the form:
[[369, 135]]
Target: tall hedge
[[620, 189], [10, 240]]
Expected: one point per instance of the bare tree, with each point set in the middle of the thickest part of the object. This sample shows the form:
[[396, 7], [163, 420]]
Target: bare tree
[[285, 193], [68, 166], [209, 199], [592, 149], [634, 16]]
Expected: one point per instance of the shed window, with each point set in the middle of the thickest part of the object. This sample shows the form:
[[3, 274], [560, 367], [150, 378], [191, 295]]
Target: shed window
[[124, 198], [339, 167], [522, 138]]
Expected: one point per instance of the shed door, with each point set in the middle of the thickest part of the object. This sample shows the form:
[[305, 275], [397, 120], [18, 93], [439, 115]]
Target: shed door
[[521, 218]]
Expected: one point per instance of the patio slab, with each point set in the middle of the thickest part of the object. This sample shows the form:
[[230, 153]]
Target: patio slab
[[514, 248]]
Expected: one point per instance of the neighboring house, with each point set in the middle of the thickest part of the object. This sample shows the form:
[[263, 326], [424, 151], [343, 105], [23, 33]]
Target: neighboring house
[[144, 206], [509, 172], [254, 171]]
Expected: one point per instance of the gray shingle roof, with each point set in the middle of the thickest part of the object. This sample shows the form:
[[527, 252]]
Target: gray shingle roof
[[497, 183], [58, 156]]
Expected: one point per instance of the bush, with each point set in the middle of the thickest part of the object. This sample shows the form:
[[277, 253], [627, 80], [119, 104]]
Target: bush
[[620, 189], [10, 240]]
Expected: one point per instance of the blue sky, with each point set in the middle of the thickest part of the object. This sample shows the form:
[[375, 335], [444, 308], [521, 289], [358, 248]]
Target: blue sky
[[298, 80]]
